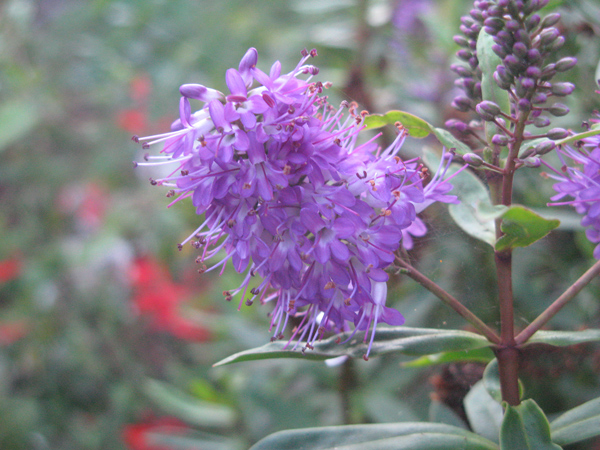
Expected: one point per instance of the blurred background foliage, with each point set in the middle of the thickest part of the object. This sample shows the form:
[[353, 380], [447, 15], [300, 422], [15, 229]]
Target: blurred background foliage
[[107, 332]]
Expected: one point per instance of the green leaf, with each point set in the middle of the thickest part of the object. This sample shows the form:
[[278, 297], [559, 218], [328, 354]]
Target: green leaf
[[490, 91], [523, 227], [398, 436], [17, 118], [441, 413], [564, 338], [483, 411], [483, 355], [193, 411], [449, 141], [406, 340], [188, 439], [578, 424], [415, 126], [525, 427], [475, 213], [491, 381]]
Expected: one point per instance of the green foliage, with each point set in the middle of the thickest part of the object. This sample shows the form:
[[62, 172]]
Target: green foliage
[[523, 227], [405, 340], [475, 214], [401, 436], [525, 427], [577, 424]]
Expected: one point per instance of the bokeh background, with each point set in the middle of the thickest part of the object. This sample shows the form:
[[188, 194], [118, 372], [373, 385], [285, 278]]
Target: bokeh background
[[108, 333]]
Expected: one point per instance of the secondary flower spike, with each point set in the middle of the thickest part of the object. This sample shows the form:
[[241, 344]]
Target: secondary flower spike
[[293, 198], [581, 182]]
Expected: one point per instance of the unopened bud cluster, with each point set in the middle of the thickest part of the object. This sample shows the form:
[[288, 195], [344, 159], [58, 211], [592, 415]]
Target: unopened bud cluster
[[523, 41]]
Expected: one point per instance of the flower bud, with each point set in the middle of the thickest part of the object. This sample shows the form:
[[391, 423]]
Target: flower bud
[[493, 23], [464, 54], [557, 133], [558, 110], [472, 159], [519, 49], [499, 50], [550, 20], [564, 64], [461, 40], [488, 107], [500, 139], [460, 70], [548, 36], [502, 83], [557, 44], [524, 105], [512, 25], [562, 89], [544, 147], [532, 22], [539, 98], [533, 55], [462, 103], [532, 162], [457, 125], [476, 14], [533, 72], [541, 121], [548, 72]]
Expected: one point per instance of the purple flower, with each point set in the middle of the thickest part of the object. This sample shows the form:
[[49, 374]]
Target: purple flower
[[289, 195], [581, 182]]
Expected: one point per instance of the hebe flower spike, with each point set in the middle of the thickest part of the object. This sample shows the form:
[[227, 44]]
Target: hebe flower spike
[[311, 216]]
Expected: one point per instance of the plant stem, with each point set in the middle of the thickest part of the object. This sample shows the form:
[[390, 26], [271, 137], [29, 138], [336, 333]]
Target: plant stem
[[558, 304], [508, 353], [449, 300]]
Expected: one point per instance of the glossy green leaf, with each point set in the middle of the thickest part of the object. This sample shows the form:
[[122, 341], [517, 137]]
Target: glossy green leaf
[[409, 341], [523, 227], [399, 436], [525, 427], [17, 118], [197, 412], [449, 141], [490, 91], [491, 381], [564, 338], [415, 126], [188, 439], [439, 412], [483, 411], [577, 424], [475, 213], [483, 355]]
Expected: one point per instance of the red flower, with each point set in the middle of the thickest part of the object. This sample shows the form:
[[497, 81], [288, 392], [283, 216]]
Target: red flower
[[11, 332], [10, 268], [157, 297], [139, 436]]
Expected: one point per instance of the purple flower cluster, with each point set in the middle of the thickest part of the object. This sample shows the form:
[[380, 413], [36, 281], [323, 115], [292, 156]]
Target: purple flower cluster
[[582, 183], [294, 199]]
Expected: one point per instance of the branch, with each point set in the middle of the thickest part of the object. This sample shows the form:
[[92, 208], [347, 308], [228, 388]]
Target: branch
[[453, 303], [557, 305]]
